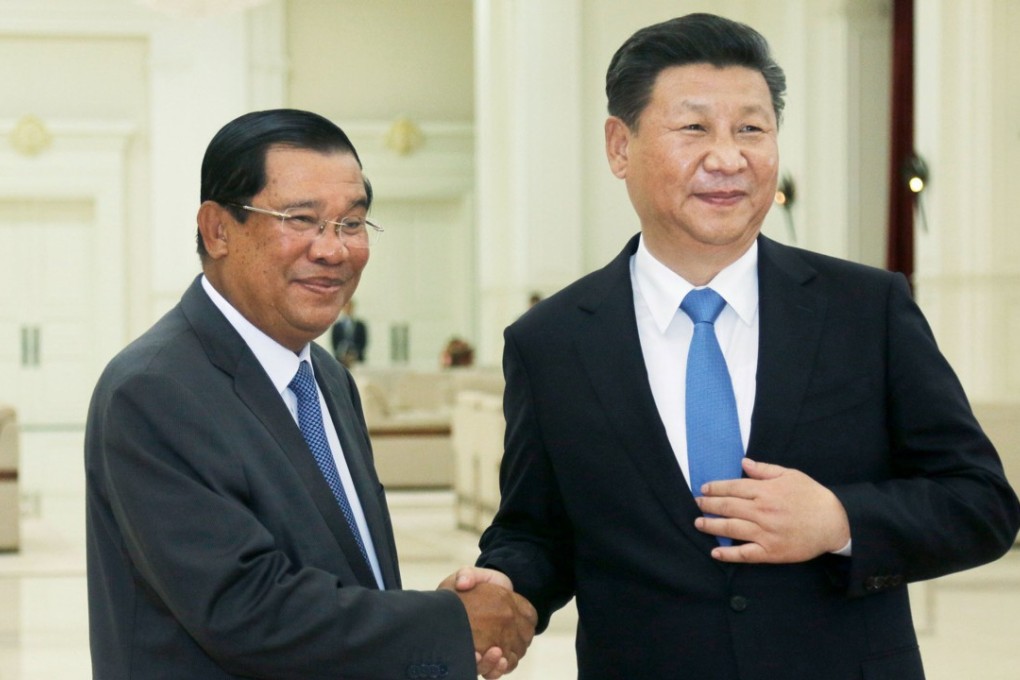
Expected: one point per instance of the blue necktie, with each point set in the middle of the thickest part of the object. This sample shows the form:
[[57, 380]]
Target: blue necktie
[[310, 423], [714, 447]]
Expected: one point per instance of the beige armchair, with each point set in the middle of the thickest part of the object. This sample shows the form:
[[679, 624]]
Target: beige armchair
[[438, 429], [408, 417], [478, 429]]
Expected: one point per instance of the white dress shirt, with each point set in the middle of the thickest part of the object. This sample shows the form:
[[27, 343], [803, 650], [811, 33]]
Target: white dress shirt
[[281, 364], [666, 330]]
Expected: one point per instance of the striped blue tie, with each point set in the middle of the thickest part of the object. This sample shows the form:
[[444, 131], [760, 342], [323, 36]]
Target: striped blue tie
[[714, 447], [310, 423]]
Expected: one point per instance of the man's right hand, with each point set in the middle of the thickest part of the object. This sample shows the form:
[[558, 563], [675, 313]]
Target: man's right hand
[[502, 622], [500, 618]]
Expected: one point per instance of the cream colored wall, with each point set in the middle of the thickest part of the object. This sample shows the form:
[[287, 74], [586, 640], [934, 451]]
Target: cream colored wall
[[128, 98], [367, 65], [88, 93], [74, 76], [63, 78], [170, 82], [378, 59]]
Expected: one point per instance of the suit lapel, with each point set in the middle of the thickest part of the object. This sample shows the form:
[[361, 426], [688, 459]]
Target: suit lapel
[[280, 424], [610, 348], [355, 445], [790, 326], [228, 352]]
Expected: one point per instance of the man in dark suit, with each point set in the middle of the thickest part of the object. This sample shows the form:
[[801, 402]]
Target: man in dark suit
[[233, 530], [859, 466], [349, 337]]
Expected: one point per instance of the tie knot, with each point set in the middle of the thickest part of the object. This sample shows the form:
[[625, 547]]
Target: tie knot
[[303, 383], [703, 305]]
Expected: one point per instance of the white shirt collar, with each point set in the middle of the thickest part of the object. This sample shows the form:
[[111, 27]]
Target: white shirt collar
[[663, 289], [279, 362]]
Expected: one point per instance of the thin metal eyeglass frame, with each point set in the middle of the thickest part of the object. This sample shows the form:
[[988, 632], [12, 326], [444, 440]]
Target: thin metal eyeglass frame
[[370, 236]]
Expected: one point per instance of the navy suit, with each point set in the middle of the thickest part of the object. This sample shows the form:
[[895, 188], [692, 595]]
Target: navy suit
[[349, 337], [215, 547], [851, 390]]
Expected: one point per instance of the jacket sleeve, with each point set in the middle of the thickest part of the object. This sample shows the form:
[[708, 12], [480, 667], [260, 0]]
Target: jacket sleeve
[[946, 504], [530, 538]]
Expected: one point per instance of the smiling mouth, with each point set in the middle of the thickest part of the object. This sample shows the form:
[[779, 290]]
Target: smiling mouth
[[721, 197], [321, 284]]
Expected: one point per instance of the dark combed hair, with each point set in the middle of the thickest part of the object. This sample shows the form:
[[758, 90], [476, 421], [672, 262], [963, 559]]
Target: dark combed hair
[[234, 166], [690, 39]]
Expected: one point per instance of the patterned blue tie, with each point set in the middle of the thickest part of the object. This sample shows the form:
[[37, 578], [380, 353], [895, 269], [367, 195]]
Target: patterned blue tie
[[714, 447], [310, 422]]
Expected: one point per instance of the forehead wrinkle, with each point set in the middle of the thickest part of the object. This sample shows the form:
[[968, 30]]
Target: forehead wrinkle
[[704, 108], [314, 204]]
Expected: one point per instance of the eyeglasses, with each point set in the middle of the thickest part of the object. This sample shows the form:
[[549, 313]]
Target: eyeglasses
[[355, 232]]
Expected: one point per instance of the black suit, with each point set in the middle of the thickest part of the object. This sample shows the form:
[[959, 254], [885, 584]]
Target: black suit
[[215, 547], [349, 337], [851, 390]]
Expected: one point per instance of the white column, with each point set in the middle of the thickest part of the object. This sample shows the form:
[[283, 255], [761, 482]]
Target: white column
[[968, 261], [204, 71], [528, 116]]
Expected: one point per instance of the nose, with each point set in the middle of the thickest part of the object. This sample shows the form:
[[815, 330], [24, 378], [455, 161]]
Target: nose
[[328, 246], [725, 155]]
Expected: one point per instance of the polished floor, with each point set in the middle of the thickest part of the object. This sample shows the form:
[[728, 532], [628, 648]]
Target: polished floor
[[969, 623]]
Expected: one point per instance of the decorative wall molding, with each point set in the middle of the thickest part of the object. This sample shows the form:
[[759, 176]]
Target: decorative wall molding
[[86, 161], [30, 17], [76, 135], [443, 166], [30, 136], [404, 137], [198, 9]]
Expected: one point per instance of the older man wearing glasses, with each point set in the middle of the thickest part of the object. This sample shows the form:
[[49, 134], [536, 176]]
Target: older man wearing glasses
[[236, 526]]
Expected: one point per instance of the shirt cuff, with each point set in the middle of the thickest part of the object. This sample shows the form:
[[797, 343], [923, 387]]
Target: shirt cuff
[[846, 550]]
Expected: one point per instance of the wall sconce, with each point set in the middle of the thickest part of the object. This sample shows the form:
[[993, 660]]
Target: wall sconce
[[786, 194], [30, 136], [915, 174], [404, 137]]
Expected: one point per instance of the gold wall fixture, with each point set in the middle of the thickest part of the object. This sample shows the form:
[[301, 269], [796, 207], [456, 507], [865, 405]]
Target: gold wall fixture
[[30, 137], [404, 137]]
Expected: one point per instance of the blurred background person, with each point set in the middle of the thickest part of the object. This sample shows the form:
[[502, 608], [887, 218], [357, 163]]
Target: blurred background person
[[349, 337]]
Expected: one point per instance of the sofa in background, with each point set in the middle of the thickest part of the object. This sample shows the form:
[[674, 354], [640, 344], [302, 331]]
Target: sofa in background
[[478, 429], [409, 415]]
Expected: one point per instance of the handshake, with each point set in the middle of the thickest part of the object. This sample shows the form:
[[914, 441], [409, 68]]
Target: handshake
[[502, 622]]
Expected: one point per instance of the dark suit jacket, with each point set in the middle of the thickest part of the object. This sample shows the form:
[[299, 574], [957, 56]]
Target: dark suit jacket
[[851, 390], [353, 340], [215, 547]]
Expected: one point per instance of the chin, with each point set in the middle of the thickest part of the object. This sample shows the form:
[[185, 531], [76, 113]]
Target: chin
[[724, 238]]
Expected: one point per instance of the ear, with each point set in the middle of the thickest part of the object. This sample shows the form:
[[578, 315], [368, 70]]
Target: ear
[[212, 220], [617, 141]]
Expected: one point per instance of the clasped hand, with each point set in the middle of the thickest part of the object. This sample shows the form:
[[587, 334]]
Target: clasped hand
[[782, 514], [502, 622]]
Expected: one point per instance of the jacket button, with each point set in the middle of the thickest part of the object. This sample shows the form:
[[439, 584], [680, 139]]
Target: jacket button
[[738, 603]]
